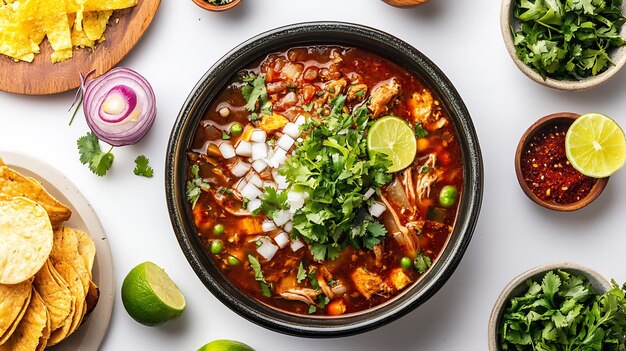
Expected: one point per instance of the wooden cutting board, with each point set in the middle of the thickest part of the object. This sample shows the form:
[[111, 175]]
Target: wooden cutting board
[[42, 77]]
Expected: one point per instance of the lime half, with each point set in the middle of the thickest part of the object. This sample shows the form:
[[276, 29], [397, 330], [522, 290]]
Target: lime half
[[595, 145], [225, 345], [393, 137], [150, 296]]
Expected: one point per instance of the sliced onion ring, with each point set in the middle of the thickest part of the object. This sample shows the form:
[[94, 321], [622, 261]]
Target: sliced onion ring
[[119, 106]]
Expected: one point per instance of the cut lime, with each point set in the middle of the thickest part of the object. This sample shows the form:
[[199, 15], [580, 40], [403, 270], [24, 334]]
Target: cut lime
[[393, 137], [595, 145], [225, 345], [150, 296]]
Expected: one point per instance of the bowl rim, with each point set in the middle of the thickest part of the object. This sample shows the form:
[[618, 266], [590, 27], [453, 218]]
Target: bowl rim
[[320, 33], [619, 57], [540, 124], [216, 8], [598, 281]]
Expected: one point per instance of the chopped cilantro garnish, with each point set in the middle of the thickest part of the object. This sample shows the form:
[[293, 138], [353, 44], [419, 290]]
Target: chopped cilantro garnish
[[301, 273], [420, 132], [266, 289], [422, 263], [254, 91], [195, 186], [312, 309], [309, 107], [225, 135], [273, 201], [313, 280]]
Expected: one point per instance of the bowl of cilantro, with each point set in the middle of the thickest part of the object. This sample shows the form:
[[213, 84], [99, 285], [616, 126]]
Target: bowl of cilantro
[[563, 44], [217, 5], [559, 306]]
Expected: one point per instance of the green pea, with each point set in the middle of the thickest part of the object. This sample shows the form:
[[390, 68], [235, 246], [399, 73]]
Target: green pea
[[218, 229], [405, 262], [447, 196], [236, 129], [232, 260], [217, 246]]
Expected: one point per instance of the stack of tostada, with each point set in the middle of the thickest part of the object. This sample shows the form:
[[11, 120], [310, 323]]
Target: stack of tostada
[[46, 286]]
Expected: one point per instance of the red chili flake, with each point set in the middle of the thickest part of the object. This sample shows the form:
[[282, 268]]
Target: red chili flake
[[547, 171]]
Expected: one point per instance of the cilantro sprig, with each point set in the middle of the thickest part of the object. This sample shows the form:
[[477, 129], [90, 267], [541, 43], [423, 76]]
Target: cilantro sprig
[[333, 167], [90, 153], [568, 39], [563, 312], [266, 288], [195, 186], [142, 167]]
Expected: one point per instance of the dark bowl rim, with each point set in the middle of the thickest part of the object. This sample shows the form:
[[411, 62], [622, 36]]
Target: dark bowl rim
[[329, 33], [539, 125]]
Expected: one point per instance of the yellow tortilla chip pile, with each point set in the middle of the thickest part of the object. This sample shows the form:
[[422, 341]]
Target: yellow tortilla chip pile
[[46, 287], [66, 24]]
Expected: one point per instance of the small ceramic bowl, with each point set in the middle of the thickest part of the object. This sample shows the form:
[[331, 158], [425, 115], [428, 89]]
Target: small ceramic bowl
[[517, 287], [405, 3], [216, 8], [508, 21], [541, 124]]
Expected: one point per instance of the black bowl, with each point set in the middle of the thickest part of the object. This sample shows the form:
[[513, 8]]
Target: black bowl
[[194, 109]]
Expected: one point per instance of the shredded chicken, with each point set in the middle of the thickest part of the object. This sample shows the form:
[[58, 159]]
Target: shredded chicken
[[404, 237], [336, 87], [221, 200], [378, 254], [308, 296], [357, 92], [421, 106], [322, 275], [426, 178], [369, 283], [382, 96], [409, 188]]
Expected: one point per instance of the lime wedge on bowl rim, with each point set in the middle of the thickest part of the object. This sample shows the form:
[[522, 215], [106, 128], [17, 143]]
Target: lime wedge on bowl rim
[[150, 296], [393, 137], [595, 145]]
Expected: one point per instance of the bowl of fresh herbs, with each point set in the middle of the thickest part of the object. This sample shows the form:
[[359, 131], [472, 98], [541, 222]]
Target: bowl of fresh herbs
[[565, 44], [561, 306], [217, 5]]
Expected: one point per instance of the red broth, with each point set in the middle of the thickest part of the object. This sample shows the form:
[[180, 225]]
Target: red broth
[[301, 82]]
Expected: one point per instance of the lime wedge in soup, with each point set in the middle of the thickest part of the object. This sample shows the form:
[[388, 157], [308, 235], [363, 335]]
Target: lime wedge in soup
[[393, 137]]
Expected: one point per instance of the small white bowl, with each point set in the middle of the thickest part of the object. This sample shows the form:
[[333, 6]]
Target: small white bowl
[[517, 287], [508, 20]]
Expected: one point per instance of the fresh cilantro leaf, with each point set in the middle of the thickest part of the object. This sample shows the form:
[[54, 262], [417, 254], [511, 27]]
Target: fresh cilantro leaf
[[322, 301], [301, 273], [266, 289], [313, 280], [420, 132], [91, 154], [309, 107], [142, 167], [312, 309], [255, 92], [225, 135], [422, 263], [195, 186]]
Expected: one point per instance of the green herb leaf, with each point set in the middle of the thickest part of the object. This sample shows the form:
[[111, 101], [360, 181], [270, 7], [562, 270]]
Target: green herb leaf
[[422, 263], [254, 91], [301, 276], [420, 132], [195, 186], [266, 289], [142, 167], [91, 154]]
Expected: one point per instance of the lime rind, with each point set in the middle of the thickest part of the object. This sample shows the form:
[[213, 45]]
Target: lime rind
[[595, 145]]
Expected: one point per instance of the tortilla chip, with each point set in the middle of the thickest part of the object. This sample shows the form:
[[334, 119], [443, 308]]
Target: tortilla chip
[[14, 39], [86, 249], [30, 332], [45, 335], [65, 248], [56, 295], [92, 299], [79, 38], [26, 235], [76, 287], [95, 23], [104, 5], [14, 300], [14, 184]]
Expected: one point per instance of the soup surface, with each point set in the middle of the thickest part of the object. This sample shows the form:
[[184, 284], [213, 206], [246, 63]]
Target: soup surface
[[290, 203]]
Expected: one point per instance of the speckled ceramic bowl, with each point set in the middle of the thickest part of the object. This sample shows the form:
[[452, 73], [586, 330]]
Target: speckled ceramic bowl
[[508, 21], [518, 286], [314, 34]]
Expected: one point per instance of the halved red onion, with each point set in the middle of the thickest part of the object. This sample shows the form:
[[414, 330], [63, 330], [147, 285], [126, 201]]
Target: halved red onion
[[119, 106]]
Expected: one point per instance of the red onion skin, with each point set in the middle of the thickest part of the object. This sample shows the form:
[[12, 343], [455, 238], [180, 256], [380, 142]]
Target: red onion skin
[[119, 134]]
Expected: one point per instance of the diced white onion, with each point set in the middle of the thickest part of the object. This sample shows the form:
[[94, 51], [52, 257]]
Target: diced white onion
[[300, 120], [281, 217], [241, 184], [258, 136], [285, 142], [267, 249], [296, 245], [268, 226], [377, 209], [295, 200], [256, 180], [259, 165], [227, 150], [282, 239], [288, 227], [292, 129], [259, 151], [280, 156], [299, 140], [244, 148], [251, 192], [240, 169], [367, 194], [254, 204]]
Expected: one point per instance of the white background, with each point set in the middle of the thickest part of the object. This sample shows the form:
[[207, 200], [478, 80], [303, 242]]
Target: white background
[[463, 38]]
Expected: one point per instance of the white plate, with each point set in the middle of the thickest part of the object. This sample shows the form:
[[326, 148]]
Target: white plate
[[90, 335]]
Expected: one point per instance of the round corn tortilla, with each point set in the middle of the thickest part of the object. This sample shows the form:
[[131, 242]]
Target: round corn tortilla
[[14, 300], [30, 332], [57, 297], [25, 239]]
